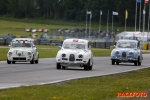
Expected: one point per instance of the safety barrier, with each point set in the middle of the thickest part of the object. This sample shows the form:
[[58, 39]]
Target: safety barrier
[[104, 45]]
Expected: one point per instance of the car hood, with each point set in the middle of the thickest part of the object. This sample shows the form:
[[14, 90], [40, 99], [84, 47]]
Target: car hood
[[125, 50], [19, 49], [73, 51]]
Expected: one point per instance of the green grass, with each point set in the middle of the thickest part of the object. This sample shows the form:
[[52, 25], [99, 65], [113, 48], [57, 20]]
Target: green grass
[[96, 88]]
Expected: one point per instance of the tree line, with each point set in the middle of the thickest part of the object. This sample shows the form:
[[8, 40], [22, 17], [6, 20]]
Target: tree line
[[73, 10]]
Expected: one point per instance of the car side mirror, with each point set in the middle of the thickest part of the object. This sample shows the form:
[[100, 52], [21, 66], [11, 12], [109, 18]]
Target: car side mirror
[[33, 46], [89, 47], [60, 47], [114, 46]]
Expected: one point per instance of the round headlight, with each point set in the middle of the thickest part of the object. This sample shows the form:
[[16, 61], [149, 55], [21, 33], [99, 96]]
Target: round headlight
[[63, 55], [80, 56], [117, 52], [10, 53], [29, 53]]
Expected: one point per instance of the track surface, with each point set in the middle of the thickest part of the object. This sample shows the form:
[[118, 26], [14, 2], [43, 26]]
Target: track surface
[[45, 72]]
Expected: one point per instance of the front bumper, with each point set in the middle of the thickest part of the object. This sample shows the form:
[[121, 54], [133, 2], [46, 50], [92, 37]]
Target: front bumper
[[124, 59], [19, 59], [72, 63]]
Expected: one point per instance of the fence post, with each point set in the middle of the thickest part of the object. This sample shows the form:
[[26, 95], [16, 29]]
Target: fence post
[[39, 42], [4, 41], [94, 44], [105, 45]]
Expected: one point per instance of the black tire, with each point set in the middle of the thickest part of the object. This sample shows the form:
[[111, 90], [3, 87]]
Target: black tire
[[112, 62], [13, 62], [8, 62], [90, 68], [63, 67], [117, 63], [32, 61], [87, 67], [135, 63], [139, 63], [37, 61], [58, 66]]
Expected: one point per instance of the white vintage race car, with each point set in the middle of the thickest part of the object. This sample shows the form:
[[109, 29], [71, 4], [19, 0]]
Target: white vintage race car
[[75, 53], [127, 51], [22, 50]]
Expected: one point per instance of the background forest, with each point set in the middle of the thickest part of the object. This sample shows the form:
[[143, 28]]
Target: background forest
[[73, 10]]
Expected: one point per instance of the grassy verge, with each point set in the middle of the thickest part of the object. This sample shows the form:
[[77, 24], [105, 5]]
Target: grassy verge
[[96, 88]]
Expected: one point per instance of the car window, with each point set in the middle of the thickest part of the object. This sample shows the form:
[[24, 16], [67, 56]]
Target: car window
[[21, 45], [74, 45], [126, 45]]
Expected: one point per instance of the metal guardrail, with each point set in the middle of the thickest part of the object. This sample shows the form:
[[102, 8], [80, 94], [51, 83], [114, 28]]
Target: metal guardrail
[[105, 45]]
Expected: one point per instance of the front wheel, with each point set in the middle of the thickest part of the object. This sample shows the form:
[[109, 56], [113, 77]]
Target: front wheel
[[13, 62], [90, 68], [139, 63], [32, 61], [112, 62], [135, 63], [8, 62], [117, 63], [58, 66], [37, 60], [87, 67]]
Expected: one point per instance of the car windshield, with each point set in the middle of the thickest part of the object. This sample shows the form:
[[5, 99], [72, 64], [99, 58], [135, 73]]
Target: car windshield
[[74, 45], [21, 45], [126, 45]]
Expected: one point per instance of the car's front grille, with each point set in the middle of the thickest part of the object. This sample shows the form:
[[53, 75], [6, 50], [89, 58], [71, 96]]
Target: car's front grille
[[64, 58], [129, 56], [123, 54], [16, 58], [72, 57], [78, 59]]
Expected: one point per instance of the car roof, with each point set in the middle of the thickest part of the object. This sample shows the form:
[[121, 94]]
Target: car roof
[[127, 40], [76, 40], [23, 39]]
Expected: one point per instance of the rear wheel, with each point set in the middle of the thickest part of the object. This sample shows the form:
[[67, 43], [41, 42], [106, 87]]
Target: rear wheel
[[58, 66], [8, 62]]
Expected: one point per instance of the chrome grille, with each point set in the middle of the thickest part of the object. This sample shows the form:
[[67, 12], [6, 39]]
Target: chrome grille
[[78, 59], [16, 58], [123, 54], [64, 58], [72, 57]]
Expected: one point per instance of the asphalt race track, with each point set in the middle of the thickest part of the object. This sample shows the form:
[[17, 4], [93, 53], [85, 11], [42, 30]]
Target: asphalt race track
[[14, 75]]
